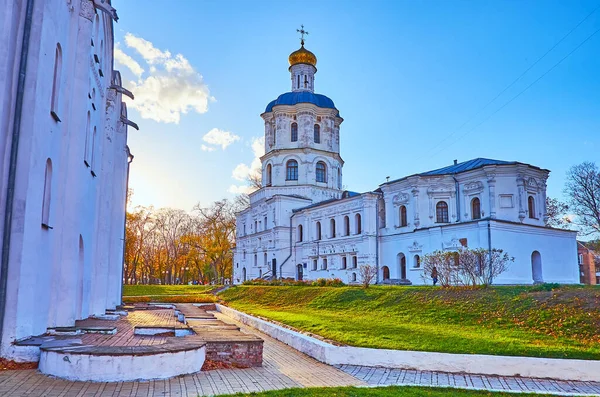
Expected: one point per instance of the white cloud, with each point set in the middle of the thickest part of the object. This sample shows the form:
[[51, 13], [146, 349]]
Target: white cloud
[[129, 62], [243, 171], [235, 189], [208, 148], [171, 88], [220, 138]]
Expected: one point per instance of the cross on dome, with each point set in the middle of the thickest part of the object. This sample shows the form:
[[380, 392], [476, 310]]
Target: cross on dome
[[302, 33]]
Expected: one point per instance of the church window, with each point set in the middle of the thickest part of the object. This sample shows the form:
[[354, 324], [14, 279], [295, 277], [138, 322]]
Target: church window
[[314, 266], [346, 226], [86, 155], [403, 217], [381, 215], [269, 174], [56, 83], [358, 220], [324, 266], [441, 212], [300, 236], [298, 85], [417, 261], [321, 172], [344, 262], [255, 226], [292, 170], [317, 133], [294, 132], [244, 229], [244, 255], [476, 208], [332, 228], [354, 261], [47, 194], [265, 259], [318, 230], [531, 207], [305, 81], [354, 277], [339, 178], [265, 223], [93, 150], [255, 260]]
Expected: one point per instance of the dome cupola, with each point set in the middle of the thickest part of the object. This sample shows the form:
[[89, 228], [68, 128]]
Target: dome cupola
[[302, 55]]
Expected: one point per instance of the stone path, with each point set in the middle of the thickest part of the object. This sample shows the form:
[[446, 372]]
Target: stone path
[[376, 376], [283, 367]]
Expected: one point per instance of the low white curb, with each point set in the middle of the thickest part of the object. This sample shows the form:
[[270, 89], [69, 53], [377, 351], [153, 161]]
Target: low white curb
[[561, 369]]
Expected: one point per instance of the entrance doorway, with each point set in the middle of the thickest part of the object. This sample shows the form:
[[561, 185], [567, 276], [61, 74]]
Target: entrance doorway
[[386, 273], [402, 265]]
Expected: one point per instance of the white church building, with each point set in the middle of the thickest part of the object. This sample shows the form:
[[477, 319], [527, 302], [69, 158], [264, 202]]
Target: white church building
[[64, 163], [302, 225]]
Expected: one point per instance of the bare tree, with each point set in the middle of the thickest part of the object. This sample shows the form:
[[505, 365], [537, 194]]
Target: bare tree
[[367, 274], [445, 264], [556, 211], [583, 190]]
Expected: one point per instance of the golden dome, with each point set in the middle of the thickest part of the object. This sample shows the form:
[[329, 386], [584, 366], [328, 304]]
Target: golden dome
[[302, 55]]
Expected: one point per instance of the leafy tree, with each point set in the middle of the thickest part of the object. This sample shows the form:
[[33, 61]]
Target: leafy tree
[[583, 189]]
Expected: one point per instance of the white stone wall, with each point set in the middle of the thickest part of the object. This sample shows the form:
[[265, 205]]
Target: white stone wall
[[71, 268]]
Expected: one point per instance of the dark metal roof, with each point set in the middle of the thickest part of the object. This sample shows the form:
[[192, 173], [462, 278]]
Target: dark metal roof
[[463, 167], [467, 166]]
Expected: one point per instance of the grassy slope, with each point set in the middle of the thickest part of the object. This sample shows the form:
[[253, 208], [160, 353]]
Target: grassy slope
[[564, 323], [147, 290], [393, 391]]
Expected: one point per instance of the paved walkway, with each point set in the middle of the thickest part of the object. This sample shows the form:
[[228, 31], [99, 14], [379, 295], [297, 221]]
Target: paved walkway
[[375, 376], [283, 367]]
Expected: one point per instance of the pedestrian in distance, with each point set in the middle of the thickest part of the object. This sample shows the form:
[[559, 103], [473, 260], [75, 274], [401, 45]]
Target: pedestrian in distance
[[434, 275]]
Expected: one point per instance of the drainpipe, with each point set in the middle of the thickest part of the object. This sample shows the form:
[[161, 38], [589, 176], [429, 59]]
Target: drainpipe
[[377, 239], [489, 230], [12, 171], [291, 247], [457, 197]]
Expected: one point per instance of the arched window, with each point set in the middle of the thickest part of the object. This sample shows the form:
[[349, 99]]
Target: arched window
[[244, 274], [354, 261], [324, 266], [255, 260], [56, 83], [531, 206], [344, 262], [300, 236], [476, 208], [441, 212], [354, 277], [265, 259], [269, 174], [402, 265], [386, 272], [93, 152], [265, 225], [86, 154], [47, 194], [318, 230], [294, 136], [358, 221], [321, 172], [332, 228], [298, 85], [403, 217], [291, 170], [417, 261], [346, 226], [317, 133]]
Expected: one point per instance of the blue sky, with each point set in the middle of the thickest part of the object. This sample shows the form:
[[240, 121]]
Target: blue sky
[[405, 75]]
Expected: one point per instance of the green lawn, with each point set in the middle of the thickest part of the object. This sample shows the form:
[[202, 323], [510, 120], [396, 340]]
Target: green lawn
[[155, 290], [516, 321], [404, 391]]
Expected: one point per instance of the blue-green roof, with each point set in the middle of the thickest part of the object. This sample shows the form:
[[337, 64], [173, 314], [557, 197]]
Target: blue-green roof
[[292, 98]]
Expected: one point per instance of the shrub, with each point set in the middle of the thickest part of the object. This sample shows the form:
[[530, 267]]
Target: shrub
[[320, 282], [545, 287]]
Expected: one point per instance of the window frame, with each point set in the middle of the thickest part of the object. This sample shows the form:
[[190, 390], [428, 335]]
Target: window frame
[[294, 132], [291, 170], [321, 172], [441, 212], [317, 133]]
